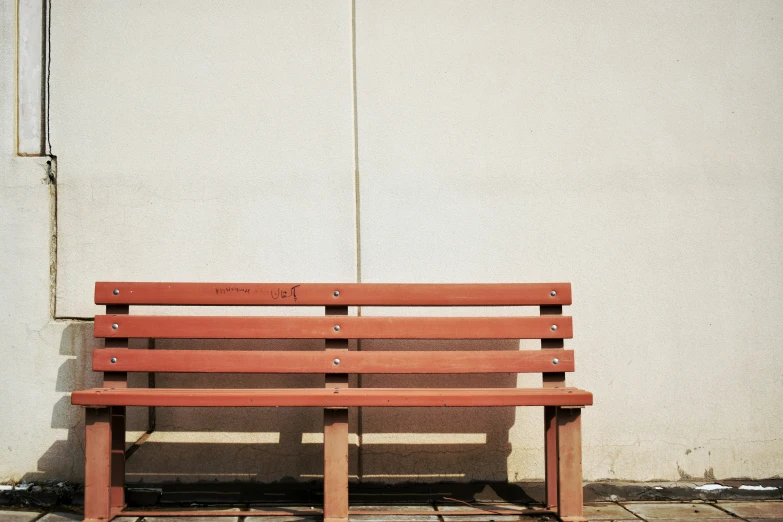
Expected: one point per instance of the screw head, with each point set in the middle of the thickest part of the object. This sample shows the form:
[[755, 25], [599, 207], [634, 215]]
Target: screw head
[[555, 361], [553, 293], [336, 362], [337, 328], [113, 360], [336, 293], [553, 328], [115, 326], [116, 292]]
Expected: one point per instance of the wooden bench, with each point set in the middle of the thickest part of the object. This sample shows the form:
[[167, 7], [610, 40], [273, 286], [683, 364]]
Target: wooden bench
[[105, 407]]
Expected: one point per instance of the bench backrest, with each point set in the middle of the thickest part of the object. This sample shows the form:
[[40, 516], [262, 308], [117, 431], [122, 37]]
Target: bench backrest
[[336, 327]]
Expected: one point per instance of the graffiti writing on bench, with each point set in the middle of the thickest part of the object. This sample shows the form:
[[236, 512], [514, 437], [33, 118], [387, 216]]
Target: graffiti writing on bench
[[231, 289], [283, 294], [275, 293]]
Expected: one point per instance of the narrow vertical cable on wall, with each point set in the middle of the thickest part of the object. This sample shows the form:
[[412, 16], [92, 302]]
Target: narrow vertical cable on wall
[[356, 148]]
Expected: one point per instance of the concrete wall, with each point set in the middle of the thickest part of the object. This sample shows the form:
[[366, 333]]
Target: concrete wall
[[632, 149]]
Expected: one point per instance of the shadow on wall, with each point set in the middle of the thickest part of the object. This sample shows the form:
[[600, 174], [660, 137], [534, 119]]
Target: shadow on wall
[[398, 445], [437, 444], [65, 458]]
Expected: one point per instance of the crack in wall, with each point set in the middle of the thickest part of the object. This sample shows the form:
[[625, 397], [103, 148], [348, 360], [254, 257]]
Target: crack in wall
[[51, 176], [51, 164]]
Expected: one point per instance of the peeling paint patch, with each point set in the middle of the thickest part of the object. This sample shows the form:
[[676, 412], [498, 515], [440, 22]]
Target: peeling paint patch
[[712, 487], [758, 488], [681, 472]]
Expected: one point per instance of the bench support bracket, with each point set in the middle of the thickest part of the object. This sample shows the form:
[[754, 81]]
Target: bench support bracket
[[550, 456]]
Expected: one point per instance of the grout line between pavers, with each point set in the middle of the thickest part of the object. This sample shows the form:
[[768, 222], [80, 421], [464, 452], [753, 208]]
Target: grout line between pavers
[[438, 513], [631, 512], [733, 515]]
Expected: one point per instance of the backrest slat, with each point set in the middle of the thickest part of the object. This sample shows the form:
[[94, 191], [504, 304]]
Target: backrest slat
[[396, 362], [211, 327], [333, 294]]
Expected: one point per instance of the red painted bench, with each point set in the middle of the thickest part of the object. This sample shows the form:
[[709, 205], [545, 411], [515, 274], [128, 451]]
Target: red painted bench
[[105, 407]]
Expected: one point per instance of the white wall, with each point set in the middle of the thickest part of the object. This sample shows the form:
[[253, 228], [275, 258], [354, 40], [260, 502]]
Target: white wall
[[41, 359], [222, 136], [632, 149]]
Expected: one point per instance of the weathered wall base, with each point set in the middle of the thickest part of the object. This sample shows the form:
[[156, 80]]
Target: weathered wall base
[[49, 494]]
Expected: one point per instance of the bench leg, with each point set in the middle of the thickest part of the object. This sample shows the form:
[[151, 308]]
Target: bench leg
[[550, 455], [117, 458], [97, 468], [336, 465], [569, 463]]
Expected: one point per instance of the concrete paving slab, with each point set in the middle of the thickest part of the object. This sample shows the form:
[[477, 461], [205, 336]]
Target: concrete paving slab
[[608, 511], [482, 515], [61, 516], [683, 511], [195, 519], [190, 519], [488, 518], [765, 510], [393, 518], [354, 518], [18, 516], [283, 518]]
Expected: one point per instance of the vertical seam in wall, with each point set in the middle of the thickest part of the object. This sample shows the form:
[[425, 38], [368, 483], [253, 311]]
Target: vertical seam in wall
[[16, 80], [48, 72], [46, 30], [357, 223]]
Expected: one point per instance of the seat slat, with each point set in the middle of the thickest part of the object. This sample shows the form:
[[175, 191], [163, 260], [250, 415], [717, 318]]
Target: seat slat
[[335, 397], [245, 361], [211, 327], [323, 294]]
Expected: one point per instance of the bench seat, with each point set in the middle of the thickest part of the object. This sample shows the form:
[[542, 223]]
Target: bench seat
[[334, 397]]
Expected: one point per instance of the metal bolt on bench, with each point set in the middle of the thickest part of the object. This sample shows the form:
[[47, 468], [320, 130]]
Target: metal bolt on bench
[[105, 407]]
